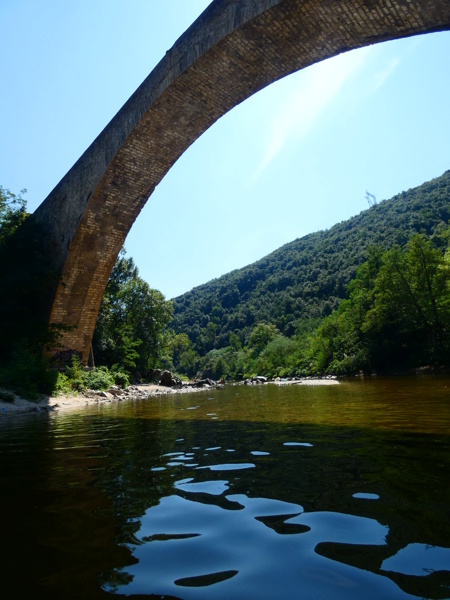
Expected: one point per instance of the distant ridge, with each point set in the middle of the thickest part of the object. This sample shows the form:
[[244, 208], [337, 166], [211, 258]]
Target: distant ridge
[[306, 279]]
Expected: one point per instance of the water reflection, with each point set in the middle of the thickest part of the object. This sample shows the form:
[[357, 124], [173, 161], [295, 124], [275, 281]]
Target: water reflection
[[418, 559], [274, 498], [245, 532]]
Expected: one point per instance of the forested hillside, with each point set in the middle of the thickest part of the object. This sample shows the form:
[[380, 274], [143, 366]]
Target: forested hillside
[[371, 295], [305, 280]]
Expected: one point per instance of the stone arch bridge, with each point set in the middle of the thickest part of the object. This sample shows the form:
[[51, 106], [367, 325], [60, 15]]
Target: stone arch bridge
[[234, 49]]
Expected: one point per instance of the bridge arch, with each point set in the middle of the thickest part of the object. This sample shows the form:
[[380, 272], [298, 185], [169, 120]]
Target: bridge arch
[[234, 49]]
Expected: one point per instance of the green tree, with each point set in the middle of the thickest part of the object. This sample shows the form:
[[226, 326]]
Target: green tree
[[188, 362], [180, 355], [307, 278], [235, 341], [410, 309], [179, 344], [278, 358], [219, 363], [397, 314], [132, 321], [25, 281], [25, 284], [12, 213], [261, 335]]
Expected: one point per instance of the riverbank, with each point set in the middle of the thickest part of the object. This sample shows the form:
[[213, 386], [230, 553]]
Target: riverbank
[[143, 391], [74, 402]]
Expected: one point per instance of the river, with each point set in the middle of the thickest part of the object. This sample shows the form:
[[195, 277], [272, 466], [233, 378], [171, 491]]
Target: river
[[257, 492]]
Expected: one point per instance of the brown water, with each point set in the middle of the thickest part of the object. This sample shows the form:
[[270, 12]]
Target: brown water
[[265, 492]]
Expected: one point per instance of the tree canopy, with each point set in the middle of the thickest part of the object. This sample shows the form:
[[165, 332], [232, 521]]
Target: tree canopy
[[132, 320], [12, 213], [307, 279]]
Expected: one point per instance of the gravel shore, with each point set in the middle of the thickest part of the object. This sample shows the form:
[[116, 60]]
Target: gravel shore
[[74, 402]]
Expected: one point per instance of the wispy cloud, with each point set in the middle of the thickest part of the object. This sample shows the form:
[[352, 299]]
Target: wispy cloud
[[382, 76], [314, 90], [391, 63]]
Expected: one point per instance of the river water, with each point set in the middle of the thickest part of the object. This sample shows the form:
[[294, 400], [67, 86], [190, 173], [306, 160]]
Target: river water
[[260, 492]]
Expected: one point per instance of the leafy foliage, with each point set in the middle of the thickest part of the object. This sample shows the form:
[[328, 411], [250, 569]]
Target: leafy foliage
[[397, 314], [25, 279], [180, 355], [370, 293], [6, 396], [77, 379], [12, 213], [306, 279], [26, 373], [132, 321], [411, 306]]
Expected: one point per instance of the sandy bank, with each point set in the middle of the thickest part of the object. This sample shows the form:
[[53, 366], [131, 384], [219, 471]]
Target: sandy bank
[[51, 403]]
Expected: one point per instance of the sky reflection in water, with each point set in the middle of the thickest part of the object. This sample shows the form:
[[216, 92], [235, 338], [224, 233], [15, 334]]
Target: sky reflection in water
[[315, 493], [239, 537]]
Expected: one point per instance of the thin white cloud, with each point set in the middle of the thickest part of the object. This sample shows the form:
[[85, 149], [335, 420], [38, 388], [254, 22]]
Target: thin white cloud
[[314, 89], [382, 76], [386, 64]]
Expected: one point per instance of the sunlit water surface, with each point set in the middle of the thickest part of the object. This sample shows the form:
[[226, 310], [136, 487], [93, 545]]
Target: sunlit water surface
[[266, 492]]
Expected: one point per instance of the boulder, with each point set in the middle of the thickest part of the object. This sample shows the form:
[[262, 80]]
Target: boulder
[[115, 390], [259, 379], [204, 383], [169, 380], [154, 374]]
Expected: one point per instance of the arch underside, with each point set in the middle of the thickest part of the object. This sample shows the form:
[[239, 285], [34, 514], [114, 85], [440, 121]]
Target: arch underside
[[234, 49]]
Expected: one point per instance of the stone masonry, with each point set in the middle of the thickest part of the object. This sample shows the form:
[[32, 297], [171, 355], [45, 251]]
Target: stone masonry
[[234, 49]]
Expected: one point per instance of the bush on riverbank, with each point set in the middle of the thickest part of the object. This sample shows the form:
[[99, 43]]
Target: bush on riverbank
[[27, 374], [6, 396], [78, 379]]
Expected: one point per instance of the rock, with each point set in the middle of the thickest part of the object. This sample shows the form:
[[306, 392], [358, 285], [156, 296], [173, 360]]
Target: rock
[[204, 383], [154, 375], [115, 390], [169, 380], [259, 379], [133, 390]]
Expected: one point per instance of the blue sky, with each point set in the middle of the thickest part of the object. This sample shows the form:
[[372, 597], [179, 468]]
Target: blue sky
[[295, 158]]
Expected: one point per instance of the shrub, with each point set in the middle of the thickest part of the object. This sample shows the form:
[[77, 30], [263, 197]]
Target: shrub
[[6, 396], [63, 385], [98, 379], [27, 374], [120, 377], [75, 374]]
